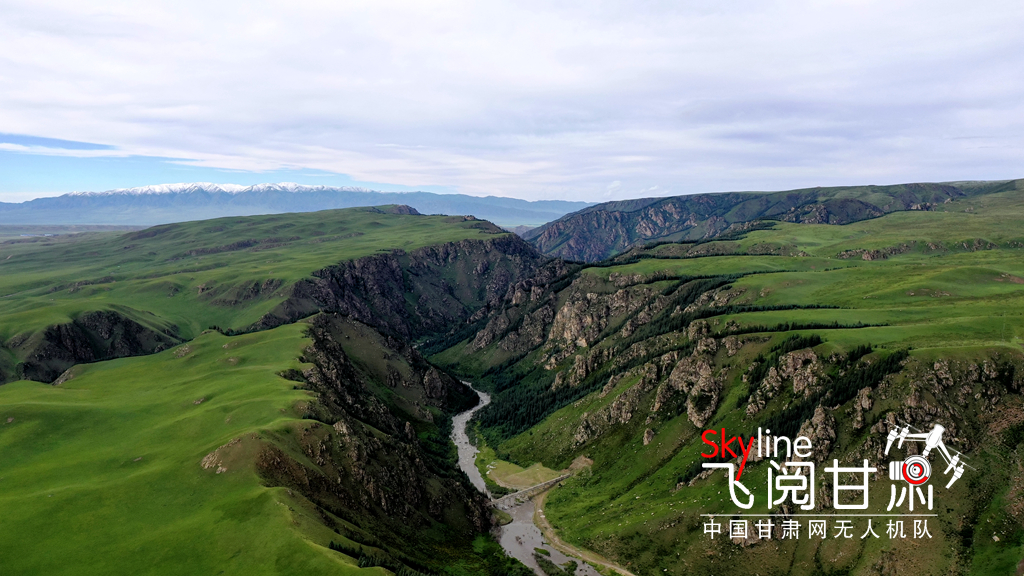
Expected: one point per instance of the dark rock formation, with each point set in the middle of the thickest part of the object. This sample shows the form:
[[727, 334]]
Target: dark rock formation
[[93, 336], [604, 230], [362, 463], [429, 291]]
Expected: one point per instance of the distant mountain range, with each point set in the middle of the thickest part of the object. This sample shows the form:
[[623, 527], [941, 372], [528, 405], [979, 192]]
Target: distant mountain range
[[604, 230], [165, 203]]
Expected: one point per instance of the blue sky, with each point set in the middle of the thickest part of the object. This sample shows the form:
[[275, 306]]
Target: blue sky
[[581, 100], [26, 176]]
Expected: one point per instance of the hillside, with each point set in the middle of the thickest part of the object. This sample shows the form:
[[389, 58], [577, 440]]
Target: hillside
[[150, 205], [243, 396], [273, 394], [95, 296], [601, 231], [834, 332]]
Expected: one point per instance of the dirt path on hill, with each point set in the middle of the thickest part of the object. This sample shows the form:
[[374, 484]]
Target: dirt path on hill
[[555, 541]]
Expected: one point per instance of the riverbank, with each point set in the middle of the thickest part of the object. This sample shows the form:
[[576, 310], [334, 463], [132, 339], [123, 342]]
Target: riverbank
[[519, 537], [467, 452], [510, 476], [549, 533]]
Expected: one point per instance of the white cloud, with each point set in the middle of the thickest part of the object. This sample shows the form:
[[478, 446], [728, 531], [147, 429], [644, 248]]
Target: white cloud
[[55, 151], [529, 99]]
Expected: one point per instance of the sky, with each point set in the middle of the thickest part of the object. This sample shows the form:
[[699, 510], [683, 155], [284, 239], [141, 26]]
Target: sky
[[586, 100]]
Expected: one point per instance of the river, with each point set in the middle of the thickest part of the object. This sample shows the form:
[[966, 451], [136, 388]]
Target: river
[[520, 537]]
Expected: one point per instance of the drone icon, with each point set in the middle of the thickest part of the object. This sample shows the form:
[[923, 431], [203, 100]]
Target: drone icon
[[917, 469]]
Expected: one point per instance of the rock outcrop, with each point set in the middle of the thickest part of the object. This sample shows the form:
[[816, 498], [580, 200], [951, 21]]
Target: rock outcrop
[[363, 463], [602, 231], [412, 294], [821, 429], [93, 336]]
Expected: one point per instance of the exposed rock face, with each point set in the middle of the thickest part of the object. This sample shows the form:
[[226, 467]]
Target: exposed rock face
[[530, 292], [732, 345], [532, 315], [861, 405], [963, 386], [582, 366], [621, 410], [696, 377], [433, 384], [648, 436], [878, 254], [707, 346], [92, 337], [697, 330], [375, 289], [599, 232], [821, 429], [582, 319], [645, 315], [716, 299], [801, 366], [529, 335], [767, 390], [341, 385], [702, 401], [364, 463]]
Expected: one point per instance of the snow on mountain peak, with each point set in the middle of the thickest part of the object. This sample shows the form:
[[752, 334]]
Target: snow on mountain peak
[[210, 187], [180, 187]]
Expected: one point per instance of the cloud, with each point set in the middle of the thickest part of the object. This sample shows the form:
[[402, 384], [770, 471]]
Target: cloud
[[98, 152], [529, 99]]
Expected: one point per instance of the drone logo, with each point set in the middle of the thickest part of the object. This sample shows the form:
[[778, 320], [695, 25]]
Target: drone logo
[[916, 469]]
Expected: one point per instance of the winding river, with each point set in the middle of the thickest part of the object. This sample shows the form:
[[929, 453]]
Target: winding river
[[520, 537]]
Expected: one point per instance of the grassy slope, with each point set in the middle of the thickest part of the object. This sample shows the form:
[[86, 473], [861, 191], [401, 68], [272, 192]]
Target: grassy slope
[[944, 297], [149, 276], [604, 230], [102, 474], [947, 302]]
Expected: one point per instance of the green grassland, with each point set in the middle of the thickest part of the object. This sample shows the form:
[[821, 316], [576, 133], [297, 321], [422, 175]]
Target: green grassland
[[10, 231], [960, 281], [946, 284], [103, 474], [226, 272], [198, 459], [511, 476], [632, 507]]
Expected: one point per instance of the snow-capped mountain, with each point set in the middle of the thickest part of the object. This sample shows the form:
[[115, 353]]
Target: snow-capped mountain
[[210, 187], [164, 203]]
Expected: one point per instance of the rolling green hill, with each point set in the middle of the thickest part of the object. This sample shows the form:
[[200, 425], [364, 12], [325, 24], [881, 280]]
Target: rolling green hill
[[95, 296], [604, 230], [104, 473], [836, 332], [273, 394], [242, 396]]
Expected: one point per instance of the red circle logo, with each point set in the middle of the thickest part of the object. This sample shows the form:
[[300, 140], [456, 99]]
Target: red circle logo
[[916, 470]]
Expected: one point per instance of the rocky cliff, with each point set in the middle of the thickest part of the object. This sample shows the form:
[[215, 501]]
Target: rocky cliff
[[426, 292], [430, 292], [94, 336], [626, 362], [373, 455], [601, 231]]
